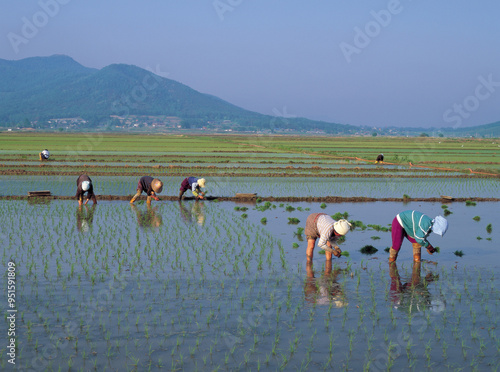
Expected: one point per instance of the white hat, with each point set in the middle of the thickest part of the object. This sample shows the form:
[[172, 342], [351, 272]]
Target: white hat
[[85, 185], [201, 182], [46, 153], [342, 227], [439, 225]]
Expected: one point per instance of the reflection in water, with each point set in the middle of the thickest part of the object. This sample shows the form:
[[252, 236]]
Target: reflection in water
[[324, 290], [413, 296], [84, 217], [196, 213], [148, 218]]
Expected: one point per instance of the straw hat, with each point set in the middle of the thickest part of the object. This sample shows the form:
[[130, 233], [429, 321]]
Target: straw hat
[[201, 182], [157, 185]]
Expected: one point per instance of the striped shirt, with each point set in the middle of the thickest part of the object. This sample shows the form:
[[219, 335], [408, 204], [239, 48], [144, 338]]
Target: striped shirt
[[325, 230]]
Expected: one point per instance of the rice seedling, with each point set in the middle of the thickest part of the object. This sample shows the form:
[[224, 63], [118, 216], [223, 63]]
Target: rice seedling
[[458, 253], [322, 206], [489, 228], [470, 203], [338, 216], [447, 212], [293, 221], [368, 250], [476, 218]]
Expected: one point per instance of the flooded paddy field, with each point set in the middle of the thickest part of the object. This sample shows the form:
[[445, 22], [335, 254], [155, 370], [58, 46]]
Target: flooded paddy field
[[277, 186], [222, 285], [212, 286]]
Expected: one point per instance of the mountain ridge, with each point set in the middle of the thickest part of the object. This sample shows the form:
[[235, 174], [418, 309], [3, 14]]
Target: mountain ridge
[[38, 89]]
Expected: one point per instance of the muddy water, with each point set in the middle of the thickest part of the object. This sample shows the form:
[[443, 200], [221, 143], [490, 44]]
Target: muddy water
[[191, 286]]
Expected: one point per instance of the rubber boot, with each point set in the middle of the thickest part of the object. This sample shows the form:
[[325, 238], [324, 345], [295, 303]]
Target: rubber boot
[[417, 252], [393, 255]]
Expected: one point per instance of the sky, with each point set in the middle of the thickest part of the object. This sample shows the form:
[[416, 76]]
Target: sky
[[417, 63]]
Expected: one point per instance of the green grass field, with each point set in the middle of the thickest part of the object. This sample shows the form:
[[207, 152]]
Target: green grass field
[[478, 153]]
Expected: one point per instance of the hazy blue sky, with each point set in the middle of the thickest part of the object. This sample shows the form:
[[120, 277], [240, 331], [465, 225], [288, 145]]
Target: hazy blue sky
[[404, 63]]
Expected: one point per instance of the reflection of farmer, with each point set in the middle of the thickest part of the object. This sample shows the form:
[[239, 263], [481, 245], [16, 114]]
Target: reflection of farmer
[[414, 295], [84, 217], [44, 155], [151, 186], [415, 226], [149, 217], [84, 185], [380, 159], [194, 184], [324, 290], [322, 226], [185, 213], [198, 212]]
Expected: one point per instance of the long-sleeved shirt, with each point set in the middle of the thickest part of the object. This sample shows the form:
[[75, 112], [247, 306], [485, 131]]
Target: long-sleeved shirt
[[193, 183], [417, 225], [325, 230]]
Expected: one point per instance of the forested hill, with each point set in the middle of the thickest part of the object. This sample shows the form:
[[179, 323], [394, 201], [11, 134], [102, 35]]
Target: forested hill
[[43, 88]]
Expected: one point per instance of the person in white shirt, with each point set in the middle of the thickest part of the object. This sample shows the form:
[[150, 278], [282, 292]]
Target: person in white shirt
[[322, 226]]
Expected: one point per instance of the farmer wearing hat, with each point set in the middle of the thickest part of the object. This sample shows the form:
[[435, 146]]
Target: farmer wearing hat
[[380, 159], [322, 226], [44, 155], [151, 186], [194, 184], [84, 185], [415, 226]]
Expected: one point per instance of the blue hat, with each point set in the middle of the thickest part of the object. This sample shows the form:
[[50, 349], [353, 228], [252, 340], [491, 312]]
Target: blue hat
[[439, 225]]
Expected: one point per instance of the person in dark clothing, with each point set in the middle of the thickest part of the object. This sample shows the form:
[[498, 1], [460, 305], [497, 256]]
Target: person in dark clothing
[[151, 186], [380, 159], [84, 185], [194, 184]]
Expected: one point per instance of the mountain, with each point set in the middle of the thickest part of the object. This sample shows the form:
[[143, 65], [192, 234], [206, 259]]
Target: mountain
[[488, 130], [42, 88]]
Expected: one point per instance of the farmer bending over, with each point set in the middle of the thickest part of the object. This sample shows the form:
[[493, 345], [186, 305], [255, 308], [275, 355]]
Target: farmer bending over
[[322, 226], [84, 185], [151, 186], [194, 184], [415, 226], [44, 155], [380, 159]]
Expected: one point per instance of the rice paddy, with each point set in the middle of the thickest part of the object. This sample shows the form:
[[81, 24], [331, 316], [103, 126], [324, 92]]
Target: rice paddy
[[185, 285]]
